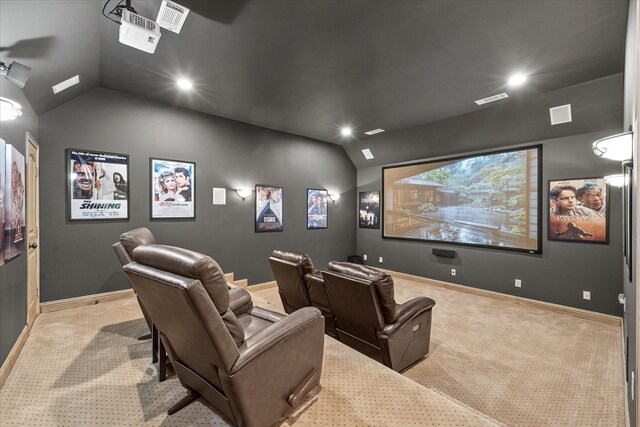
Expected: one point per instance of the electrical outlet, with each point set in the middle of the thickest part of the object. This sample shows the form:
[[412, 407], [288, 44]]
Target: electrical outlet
[[380, 260], [518, 283], [364, 257], [453, 271], [586, 295]]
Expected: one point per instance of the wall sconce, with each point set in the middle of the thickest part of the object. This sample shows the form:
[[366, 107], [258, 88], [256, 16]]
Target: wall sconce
[[334, 197], [616, 147], [243, 193], [617, 180], [9, 109]]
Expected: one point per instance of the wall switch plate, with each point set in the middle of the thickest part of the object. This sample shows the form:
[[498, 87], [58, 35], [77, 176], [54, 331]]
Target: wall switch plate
[[364, 257], [518, 283], [453, 271], [380, 260], [586, 295]]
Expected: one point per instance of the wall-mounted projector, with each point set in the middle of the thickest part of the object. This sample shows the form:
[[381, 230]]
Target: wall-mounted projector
[[139, 32]]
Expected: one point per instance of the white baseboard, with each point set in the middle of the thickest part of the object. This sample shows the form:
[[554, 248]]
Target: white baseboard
[[13, 355]]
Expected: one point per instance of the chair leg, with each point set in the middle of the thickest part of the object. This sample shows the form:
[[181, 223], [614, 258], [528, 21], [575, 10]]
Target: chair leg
[[185, 401], [144, 337], [154, 344], [162, 361]]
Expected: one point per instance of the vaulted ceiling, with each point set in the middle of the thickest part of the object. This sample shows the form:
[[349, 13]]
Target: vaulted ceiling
[[309, 67]]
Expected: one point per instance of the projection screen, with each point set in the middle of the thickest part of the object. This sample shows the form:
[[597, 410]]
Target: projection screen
[[489, 200]]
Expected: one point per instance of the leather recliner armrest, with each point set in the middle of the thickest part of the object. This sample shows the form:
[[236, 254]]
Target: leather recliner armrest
[[239, 301], [317, 292], [277, 367], [265, 314], [275, 337], [406, 312]]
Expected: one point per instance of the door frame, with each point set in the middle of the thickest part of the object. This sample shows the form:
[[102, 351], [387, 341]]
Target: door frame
[[33, 254]]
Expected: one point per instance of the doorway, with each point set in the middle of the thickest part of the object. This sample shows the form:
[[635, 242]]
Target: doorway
[[33, 230]]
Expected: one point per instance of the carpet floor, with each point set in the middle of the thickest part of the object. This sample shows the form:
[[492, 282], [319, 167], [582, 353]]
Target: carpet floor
[[520, 365], [491, 363]]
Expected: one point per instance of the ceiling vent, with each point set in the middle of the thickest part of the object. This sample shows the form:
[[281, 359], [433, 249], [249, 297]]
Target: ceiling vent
[[560, 114], [491, 98], [171, 16], [367, 154]]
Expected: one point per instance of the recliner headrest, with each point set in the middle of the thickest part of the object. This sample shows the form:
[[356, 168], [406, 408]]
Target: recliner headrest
[[303, 259], [356, 270], [382, 282], [133, 238], [187, 263]]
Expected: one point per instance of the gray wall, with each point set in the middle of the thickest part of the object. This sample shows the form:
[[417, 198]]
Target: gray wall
[[77, 258], [564, 269], [13, 274], [595, 105], [630, 114]]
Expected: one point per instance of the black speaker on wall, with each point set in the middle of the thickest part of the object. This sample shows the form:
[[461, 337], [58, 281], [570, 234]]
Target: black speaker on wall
[[444, 253]]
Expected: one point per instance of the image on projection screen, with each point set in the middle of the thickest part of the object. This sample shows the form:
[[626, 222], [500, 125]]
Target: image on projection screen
[[488, 200]]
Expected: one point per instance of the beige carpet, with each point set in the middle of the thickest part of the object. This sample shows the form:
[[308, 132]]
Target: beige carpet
[[84, 367], [520, 365]]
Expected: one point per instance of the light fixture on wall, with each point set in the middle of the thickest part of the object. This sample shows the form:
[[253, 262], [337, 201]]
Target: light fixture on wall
[[9, 109], [615, 147], [334, 197], [616, 180], [243, 193]]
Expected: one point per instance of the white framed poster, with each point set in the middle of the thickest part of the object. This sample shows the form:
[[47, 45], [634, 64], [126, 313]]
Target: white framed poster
[[97, 186], [172, 191], [3, 187], [317, 208], [14, 203]]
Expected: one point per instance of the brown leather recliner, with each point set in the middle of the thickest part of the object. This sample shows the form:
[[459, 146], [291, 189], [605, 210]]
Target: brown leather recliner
[[240, 299], [300, 285], [253, 368], [369, 320], [124, 249]]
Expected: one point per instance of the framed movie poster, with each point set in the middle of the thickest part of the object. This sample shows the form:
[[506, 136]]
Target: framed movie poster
[[97, 186], [317, 208], [173, 184], [578, 210], [268, 208], [369, 213], [14, 203], [3, 188], [627, 205]]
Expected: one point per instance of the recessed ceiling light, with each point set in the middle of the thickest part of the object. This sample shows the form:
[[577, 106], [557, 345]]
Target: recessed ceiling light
[[66, 84], [367, 154], [517, 79], [346, 131], [184, 84], [374, 131]]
